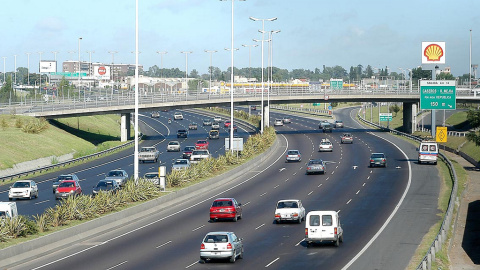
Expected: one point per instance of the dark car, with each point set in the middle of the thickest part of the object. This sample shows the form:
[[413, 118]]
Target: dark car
[[213, 134], [327, 128], [182, 133], [105, 186], [378, 159], [187, 151]]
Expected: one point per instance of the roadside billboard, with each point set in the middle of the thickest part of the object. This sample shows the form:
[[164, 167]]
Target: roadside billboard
[[48, 66], [101, 72], [433, 52]]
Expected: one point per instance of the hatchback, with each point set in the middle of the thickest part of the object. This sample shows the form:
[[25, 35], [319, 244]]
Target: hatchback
[[221, 245], [225, 208], [207, 122], [68, 188], [339, 124], [120, 176], [187, 151], [23, 189], [201, 144], [278, 122], [173, 146], [105, 186], [181, 164], [316, 166], [62, 177], [378, 159], [293, 155], [347, 138]]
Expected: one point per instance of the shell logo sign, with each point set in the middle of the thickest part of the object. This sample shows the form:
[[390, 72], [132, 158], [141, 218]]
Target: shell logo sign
[[433, 52]]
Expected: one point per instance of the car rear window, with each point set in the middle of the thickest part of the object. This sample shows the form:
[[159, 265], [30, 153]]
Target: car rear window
[[222, 203], [327, 220], [315, 162], [292, 153], [377, 156], [314, 220], [216, 239], [290, 204]]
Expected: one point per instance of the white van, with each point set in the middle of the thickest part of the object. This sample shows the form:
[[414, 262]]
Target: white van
[[323, 226], [8, 210], [428, 152]]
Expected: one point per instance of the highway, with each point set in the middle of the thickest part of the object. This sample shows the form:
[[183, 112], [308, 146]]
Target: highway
[[158, 133], [384, 211]]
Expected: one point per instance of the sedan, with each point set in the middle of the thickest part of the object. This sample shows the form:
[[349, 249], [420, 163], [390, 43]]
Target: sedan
[[225, 208], [316, 166], [221, 245], [278, 122], [227, 123], [289, 210], [293, 155], [105, 186], [207, 122], [119, 176], [325, 146], [187, 151], [173, 146], [23, 189], [193, 126], [338, 124], [286, 120], [68, 188], [347, 138], [155, 114], [378, 159], [201, 144], [62, 177], [215, 125], [181, 164]]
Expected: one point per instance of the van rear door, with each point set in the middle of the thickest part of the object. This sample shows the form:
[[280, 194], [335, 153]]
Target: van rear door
[[327, 225]]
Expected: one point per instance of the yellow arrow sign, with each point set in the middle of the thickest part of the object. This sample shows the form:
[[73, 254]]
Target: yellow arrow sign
[[441, 134]]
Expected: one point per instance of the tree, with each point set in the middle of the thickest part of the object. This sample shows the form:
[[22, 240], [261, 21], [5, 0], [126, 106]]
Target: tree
[[445, 76], [6, 94], [419, 73], [193, 74], [473, 118], [394, 109], [368, 72]]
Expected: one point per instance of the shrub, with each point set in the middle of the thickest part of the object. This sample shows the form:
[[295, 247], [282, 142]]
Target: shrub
[[35, 126]]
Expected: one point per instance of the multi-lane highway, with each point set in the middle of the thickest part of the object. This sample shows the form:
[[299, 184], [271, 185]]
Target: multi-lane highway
[[385, 211], [158, 133]]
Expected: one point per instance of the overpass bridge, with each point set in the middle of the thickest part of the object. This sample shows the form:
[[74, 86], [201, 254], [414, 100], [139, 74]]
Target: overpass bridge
[[125, 105]]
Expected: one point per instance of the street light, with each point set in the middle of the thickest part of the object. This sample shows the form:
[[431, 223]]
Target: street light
[[15, 71], [410, 77], [90, 67], [263, 83], [211, 52], [55, 58], [271, 69], [113, 67], [40, 73], [4, 57], [28, 68], [161, 62], [79, 71], [249, 58], [186, 72]]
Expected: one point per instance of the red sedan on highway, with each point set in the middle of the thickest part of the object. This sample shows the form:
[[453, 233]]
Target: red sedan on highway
[[226, 208], [201, 144]]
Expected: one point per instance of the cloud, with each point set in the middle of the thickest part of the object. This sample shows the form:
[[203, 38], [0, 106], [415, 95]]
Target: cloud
[[50, 25]]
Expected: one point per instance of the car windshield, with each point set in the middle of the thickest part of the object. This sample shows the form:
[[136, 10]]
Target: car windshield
[[326, 143], [105, 184], [312, 162], [115, 173], [222, 203], [150, 175], [199, 152], [189, 148], [173, 143], [147, 150], [67, 184], [213, 132], [201, 142], [65, 177], [21, 185], [287, 204], [216, 238], [378, 156], [347, 135], [292, 153], [181, 161]]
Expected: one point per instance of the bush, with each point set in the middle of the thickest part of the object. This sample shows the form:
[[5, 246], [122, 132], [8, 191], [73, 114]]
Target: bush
[[35, 126]]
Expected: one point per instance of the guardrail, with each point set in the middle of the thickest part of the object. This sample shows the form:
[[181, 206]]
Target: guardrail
[[436, 246]]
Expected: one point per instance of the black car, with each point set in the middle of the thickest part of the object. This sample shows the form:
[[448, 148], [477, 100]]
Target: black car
[[182, 133], [187, 152], [105, 186], [327, 128]]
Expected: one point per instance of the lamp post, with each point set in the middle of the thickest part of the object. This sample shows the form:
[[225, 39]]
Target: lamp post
[[211, 52], [55, 58], [250, 58], [263, 83], [186, 71], [4, 57], [113, 68], [15, 71], [410, 78], [79, 71], [90, 67], [161, 64], [470, 66], [271, 70], [28, 68], [40, 73]]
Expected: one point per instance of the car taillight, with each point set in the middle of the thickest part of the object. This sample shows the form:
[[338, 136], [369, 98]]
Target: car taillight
[[229, 246], [383, 160], [295, 214], [371, 160], [202, 246], [306, 233], [309, 168], [335, 230], [277, 215]]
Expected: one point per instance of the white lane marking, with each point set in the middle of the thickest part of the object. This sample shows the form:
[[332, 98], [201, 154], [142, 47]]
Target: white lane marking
[[333, 172], [300, 242], [368, 177], [164, 244], [263, 194], [198, 228], [349, 201], [42, 202], [371, 171], [260, 226], [320, 185], [294, 173], [100, 174], [327, 178], [281, 169], [117, 265], [276, 186], [246, 203], [357, 192], [310, 193], [363, 184], [170, 215], [286, 180], [272, 262], [355, 167], [191, 265], [336, 167]]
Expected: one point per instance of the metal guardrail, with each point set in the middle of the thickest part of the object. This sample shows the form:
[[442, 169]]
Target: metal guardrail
[[436, 246]]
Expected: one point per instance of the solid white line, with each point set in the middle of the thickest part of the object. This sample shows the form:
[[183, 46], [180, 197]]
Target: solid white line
[[191, 265], [42, 202], [117, 265], [310, 193], [164, 244], [300, 242], [198, 228], [349, 201], [260, 226], [272, 262]]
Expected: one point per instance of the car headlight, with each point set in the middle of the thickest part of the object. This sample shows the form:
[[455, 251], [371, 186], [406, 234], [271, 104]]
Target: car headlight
[[71, 191], [56, 191]]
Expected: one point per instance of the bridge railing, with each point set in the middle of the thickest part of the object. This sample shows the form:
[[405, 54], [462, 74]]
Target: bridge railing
[[436, 246]]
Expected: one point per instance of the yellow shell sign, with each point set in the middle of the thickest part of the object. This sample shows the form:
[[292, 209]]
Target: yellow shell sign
[[433, 52]]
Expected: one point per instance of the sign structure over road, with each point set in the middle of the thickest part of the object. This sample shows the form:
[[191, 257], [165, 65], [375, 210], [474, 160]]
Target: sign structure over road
[[441, 134], [437, 95], [385, 116], [336, 84]]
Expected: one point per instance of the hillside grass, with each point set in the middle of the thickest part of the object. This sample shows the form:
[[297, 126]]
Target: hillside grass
[[457, 120]]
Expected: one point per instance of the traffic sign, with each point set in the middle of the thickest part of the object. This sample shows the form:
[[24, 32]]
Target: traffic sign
[[329, 107], [441, 134], [437, 95], [385, 116], [317, 104]]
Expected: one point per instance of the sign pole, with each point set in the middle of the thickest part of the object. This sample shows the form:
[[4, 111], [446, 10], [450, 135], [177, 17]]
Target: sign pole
[[433, 120]]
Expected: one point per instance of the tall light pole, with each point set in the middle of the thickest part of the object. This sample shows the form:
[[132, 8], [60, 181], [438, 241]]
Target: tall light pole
[[271, 69], [113, 67], [250, 58], [161, 61], [55, 58], [79, 71], [410, 78], [28, 68], [263, 83], [4, 57], [15, 71], [71, 53], [90, 67], [186, 71], [40, 72], [135, 161], [211, 52], [470, 66]]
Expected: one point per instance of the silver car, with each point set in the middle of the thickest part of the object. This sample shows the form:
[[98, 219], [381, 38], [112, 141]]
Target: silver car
[[221, 245], [316, 166], [173, 146], [181, 164], [293, 155], [120, 176]]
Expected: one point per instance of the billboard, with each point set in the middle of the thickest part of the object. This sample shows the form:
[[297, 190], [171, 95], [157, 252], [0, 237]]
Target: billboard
[[433, 52], [101, 72], [48, 66]]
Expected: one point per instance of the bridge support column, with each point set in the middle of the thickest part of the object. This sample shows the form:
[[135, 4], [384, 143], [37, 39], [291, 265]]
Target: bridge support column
[[409, 117], [267, 116], [125, 127]]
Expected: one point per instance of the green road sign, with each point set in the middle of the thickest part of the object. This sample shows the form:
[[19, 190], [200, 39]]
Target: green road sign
[[437, 95], [385, 116], [317, 104], [336, 84], [69, 74]]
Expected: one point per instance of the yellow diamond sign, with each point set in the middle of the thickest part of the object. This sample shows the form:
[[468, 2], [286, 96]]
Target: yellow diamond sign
[[441, 134]]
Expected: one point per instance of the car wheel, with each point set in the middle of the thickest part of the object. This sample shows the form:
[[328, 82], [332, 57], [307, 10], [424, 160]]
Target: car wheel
[[202, 261], [341, 238], [234, 256], [9, 199], [241, 254], [309, 244], [337, 243], [235, 219], [299, 221]]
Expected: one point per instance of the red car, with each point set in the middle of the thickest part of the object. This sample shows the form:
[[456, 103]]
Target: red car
[[68, 188], [226, 208], [201, 144], [227, 123]]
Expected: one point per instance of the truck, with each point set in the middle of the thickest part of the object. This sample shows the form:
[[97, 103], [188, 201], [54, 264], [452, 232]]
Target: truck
[[149, 153], [8, 210]]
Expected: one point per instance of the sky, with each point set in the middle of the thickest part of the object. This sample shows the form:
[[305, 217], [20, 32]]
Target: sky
[[313, 33]]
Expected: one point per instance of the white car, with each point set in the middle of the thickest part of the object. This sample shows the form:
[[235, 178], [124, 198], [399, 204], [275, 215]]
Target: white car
[[289, 210], [23, 189], [325, 146], [178, 116], [221, 245], [278, 122], [181, 164], [217, 119], [173, 146]]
